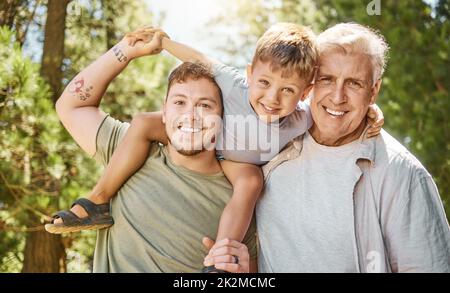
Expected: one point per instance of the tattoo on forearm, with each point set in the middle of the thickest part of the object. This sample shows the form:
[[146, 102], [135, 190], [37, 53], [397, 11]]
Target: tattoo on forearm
[[119, 54], [80, 91]]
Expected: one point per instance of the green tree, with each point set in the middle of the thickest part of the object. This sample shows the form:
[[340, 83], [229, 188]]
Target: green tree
[[41, 167], [30, 162]]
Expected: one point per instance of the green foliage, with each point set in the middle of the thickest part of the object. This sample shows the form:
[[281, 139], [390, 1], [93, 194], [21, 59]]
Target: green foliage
[[34, 152], [141, 86], [42, 169]]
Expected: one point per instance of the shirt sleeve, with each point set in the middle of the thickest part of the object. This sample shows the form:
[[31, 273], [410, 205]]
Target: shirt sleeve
[[419, 236], [227, 78], [109, 134]]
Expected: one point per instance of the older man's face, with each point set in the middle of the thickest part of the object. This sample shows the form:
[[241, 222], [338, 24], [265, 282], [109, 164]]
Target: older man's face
[[343, 91]]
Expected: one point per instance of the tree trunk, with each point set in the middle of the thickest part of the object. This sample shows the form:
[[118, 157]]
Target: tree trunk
[[109, 14], [45, 252], [9, 10], [53, 53]]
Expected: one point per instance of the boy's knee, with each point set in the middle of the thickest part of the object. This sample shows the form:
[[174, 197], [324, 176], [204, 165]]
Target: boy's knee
[[141, 120], [254, 178]]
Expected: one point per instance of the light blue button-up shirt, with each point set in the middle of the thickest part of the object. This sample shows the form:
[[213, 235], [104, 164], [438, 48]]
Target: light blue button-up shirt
[[399, 219]]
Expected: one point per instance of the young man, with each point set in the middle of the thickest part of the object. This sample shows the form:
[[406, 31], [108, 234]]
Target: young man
[[161, 214]]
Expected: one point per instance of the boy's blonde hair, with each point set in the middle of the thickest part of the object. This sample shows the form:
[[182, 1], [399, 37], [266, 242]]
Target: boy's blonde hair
[[289, 47]]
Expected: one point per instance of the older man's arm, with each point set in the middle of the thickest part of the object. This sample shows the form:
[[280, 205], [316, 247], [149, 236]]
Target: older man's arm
[[78, 106], [418, 238]]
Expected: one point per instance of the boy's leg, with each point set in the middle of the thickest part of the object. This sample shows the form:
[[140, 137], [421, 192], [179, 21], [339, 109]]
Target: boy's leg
[[247, 181], [130, 155]]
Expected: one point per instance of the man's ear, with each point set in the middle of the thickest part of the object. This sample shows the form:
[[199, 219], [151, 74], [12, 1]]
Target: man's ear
[[164, 113], [249, 71], [306, 92], [375, 90]]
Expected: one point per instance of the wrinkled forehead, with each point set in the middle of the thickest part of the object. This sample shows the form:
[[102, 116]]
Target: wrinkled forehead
[[341, 63]]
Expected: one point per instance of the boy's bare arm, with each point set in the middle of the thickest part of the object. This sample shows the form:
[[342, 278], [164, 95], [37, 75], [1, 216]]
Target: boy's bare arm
[[78, 106], [152, 126], [180, 51], [375, 118], [186, 53], [247, 181]]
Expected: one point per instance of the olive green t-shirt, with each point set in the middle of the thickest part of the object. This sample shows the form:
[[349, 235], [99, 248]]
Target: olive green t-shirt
[[160, 214]]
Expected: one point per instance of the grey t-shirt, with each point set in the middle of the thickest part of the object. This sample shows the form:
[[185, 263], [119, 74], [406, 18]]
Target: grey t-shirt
[[245, 138], [160, 214], [305, 221]]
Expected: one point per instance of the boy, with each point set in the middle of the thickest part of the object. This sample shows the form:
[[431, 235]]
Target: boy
[[280, 76]]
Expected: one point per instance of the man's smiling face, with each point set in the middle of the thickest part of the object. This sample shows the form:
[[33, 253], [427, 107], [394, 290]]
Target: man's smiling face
[[343, 91], [192, 115]]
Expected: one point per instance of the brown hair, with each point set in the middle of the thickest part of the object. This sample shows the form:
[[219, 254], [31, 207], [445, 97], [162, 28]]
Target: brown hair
[[195, 71], [191, 70], [289, 47]]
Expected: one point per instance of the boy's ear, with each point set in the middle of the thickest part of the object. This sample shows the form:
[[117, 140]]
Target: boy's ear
[[375, 91], [249, 71]]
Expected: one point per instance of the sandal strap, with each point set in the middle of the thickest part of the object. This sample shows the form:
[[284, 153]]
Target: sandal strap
[[91, 208], [68, 217]]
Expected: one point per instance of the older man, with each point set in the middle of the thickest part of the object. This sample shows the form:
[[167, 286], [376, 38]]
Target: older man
[[337, 202]]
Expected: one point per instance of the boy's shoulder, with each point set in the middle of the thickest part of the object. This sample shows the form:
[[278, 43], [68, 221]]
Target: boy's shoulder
[[221, 70], [231, 81]]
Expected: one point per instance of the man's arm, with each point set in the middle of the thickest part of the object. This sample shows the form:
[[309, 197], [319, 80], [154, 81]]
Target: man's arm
[[224, 253], [78, 106], [418, 238]]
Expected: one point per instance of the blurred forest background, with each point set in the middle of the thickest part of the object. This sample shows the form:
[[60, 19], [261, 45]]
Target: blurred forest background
[[42, 170]]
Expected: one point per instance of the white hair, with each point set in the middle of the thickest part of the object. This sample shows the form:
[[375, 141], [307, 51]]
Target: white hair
[[355, 38]]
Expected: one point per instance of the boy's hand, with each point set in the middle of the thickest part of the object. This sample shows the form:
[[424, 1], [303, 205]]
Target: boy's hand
[[375, 119], [143, 42]]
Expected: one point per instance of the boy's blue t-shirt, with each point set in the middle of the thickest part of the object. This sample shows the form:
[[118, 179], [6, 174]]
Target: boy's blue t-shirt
[[245, 138]]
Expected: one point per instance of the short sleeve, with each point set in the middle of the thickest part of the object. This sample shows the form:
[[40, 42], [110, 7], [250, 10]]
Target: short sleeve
[[110, 133]]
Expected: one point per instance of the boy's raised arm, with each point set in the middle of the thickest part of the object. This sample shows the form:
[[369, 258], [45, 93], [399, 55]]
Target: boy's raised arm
[[180, 51], [186, 53]]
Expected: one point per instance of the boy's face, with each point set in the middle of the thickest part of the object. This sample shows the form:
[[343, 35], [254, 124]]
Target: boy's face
[[271, 95], [192, 115]]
